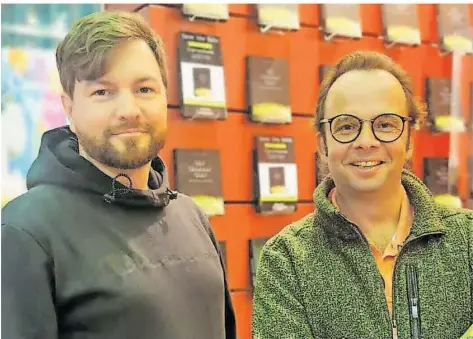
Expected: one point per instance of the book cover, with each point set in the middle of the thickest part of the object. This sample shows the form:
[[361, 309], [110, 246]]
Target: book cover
[[276, 175], [255, 247], [342, 20], [201, 73], [454, 29], [278, 16], [401, 23], [197, 173], [438, 92], [436, 175], [213, 11], [268, 90]]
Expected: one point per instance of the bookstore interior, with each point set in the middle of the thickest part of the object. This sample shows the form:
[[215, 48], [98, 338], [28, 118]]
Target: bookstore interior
[[242, 91]]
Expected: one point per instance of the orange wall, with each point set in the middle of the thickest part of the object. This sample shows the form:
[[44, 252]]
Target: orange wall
[[306, 50]]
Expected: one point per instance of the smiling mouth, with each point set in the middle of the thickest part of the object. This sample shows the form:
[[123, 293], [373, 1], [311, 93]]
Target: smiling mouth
[[367, 164]]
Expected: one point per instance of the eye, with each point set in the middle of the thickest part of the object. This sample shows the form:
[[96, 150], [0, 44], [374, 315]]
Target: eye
[[345, 124], [146, 90], [345, 127], [386, 125], [101, 92]]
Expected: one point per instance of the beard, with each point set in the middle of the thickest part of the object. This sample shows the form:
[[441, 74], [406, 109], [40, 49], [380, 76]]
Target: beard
[[123, 152]]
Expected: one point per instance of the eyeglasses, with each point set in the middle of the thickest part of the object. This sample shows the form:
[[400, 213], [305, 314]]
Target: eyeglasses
[[387, 127]]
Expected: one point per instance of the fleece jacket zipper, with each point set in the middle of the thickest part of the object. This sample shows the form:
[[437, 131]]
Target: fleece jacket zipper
[[414, 301]]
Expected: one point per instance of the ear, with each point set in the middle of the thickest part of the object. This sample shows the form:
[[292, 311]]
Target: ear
[[67, 105], [321, 146]]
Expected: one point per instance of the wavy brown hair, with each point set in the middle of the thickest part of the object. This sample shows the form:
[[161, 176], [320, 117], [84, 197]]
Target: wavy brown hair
[[83, 53]]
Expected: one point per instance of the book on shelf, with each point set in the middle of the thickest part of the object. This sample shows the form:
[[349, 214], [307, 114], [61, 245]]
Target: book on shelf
[[197, 173], [341, 20], [268, 90], [401, 23], [276, 187], [201, 75]]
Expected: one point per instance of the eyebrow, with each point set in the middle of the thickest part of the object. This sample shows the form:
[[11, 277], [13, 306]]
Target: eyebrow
[[145, 79], [110, 83]]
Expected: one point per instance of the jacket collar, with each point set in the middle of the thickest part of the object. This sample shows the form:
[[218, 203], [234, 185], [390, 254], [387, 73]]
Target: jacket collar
[[427, 218]]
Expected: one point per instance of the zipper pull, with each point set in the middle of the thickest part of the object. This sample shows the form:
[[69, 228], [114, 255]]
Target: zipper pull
[[415, 310], [394, 329]]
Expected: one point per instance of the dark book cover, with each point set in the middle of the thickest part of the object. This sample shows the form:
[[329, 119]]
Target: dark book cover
[[201, 74], [454, 29], [255, 247], [401, 24], [323, 70], [276, 175], [436, 175], [442, 181], [268, 90], [197, 173], [438, 95], [278, 16], [213, 11], [342, 20]]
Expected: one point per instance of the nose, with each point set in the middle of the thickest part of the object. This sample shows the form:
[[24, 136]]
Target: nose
[[127, 106], [366, 139]]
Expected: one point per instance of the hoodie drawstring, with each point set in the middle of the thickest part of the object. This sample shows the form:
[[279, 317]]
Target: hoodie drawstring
[[161, 199], [111, 196], [171, 194]]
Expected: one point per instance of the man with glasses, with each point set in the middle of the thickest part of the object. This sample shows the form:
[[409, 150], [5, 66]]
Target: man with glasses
[[378, 258]]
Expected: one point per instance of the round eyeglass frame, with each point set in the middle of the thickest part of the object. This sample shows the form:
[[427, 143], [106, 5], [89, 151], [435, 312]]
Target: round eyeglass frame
[[329, 121]]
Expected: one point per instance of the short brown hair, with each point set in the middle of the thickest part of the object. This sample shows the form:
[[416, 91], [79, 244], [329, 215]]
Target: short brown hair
[[369, 60], [83, 52]]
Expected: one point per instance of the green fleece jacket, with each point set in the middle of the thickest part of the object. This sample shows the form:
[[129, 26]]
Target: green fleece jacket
[[317, 278]]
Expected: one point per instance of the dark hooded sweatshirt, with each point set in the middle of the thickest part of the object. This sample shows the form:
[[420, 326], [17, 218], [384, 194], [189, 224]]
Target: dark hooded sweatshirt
[[85, 257]]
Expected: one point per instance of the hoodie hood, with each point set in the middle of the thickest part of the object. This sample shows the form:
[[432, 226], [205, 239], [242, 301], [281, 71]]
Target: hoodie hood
[[59, 163]]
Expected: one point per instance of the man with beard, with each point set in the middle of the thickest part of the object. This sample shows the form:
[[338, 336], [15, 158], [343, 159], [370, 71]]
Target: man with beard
[[99, 246]]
